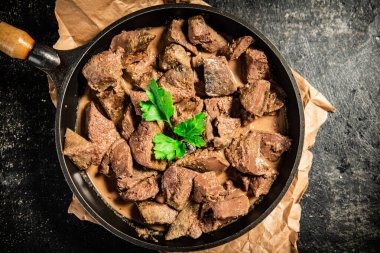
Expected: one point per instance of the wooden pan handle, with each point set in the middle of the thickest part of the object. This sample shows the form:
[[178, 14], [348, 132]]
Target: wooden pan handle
[[15, 42]]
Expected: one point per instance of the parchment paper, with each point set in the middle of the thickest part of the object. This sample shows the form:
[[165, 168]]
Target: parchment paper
[[80, 20]]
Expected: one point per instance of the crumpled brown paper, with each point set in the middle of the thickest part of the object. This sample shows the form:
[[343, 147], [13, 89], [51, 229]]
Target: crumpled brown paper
[[80, 20]]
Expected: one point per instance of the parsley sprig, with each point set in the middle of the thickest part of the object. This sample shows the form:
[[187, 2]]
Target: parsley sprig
[[160, 108], [160, 105]]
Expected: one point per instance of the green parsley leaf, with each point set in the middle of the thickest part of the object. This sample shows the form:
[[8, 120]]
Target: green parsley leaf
[[150, 111], [166, 147], [191, 130], [195, 140], [160, 106]]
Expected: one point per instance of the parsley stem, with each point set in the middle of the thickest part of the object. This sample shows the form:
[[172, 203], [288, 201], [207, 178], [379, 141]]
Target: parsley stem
[[170, 124]]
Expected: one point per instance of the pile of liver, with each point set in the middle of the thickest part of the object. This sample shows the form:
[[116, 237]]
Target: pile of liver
[[209, 186]]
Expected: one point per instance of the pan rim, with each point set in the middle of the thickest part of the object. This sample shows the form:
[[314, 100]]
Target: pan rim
[[59, 134]]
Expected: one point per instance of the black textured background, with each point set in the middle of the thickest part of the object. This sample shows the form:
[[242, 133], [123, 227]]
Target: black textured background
[[333, 44]]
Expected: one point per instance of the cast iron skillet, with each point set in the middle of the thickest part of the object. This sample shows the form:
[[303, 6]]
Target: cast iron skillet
[[65, 69]]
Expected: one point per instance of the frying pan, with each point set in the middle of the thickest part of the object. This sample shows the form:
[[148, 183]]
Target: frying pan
[[64, 67]]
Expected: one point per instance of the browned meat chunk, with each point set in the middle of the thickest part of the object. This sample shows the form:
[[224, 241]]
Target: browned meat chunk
[[222, 106], [179, 81], [101, 131], [177, 184], [219, 80], [218, 106], [120, 158], [82, 152], [200, 33], [257, 66], [198, 60], [132, 41], [240, 179], [103, 70], [173, 56], [244, 154], [187, 109], [141, 73], [209, 223], [127, 124], [273, 145], [226, 126], [143, 190], [204, 160], [274, 103], [112, 100], [229, 207], [186, 224], [137, 176], [254, 98], [262, 184], [155, 213], [239, 46], [136, 98], [206, 187], [142, 146], [143, 232], [176, 35], [208, 134]]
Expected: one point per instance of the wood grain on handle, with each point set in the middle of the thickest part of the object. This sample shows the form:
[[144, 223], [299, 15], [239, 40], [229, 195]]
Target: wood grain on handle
[[15, 42]]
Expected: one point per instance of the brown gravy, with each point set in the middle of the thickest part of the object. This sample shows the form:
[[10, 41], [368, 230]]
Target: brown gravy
[[107, 188]]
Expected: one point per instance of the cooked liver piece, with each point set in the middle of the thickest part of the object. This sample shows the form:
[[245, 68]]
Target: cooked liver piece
[[132, 41], [239, 46], [142, 146], [137, 97], [173, 56], [103, 70], [244, 154], [261, 185], [186, 223], [179, 81], [274, 103], [128, 123], [112, 100], [176, 35], [137, 176], [143, 190], [187, 109], [206, 187], [218, 106], [101, 131], [208, 134], [273, 145], [176, 185], [257, 66], [200, 33], [141, 73], [227, 106], [254, 98], [82, 152], [219, 80], [226, 126], [203, 160], [198, 60], [155, 213], [240, 179], [229, 207], [120, 158], [209, 223]]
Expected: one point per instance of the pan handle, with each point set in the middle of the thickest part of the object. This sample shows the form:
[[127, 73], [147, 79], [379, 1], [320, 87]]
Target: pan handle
[[18, 44]]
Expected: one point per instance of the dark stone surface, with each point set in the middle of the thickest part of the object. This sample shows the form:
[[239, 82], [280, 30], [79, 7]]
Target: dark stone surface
[[334, 44]]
